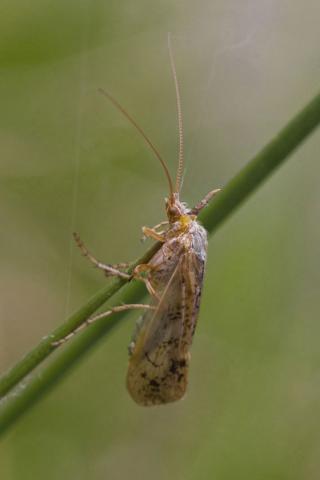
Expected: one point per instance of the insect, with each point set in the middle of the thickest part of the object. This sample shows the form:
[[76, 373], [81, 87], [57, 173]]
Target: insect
[[160, 348]]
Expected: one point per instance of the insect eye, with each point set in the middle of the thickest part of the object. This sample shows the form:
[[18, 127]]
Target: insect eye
[[173, 213]]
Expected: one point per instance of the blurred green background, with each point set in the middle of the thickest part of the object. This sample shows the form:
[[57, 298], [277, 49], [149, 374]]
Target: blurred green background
[[69, 162]]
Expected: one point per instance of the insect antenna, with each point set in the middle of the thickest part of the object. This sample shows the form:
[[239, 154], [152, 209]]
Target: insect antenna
[[142, 133], [179, 112]]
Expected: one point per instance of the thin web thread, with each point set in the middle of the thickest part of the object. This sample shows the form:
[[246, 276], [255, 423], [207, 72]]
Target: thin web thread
[[75, 189]]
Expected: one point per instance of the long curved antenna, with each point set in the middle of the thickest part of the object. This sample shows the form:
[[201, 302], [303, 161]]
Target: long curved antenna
[[180, 123], [134, 123]]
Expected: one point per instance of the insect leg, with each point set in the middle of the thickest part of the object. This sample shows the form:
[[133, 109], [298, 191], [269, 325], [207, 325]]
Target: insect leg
[[122, 265], [204, 202], [138, 275], [110, 270], [152, 233], [90, 320], [154, 230], [161, 224]]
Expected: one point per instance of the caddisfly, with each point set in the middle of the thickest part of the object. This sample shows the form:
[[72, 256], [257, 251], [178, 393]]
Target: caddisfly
[[160, 350]]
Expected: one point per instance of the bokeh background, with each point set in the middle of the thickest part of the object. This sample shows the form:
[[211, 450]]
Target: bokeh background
[[69, 161]]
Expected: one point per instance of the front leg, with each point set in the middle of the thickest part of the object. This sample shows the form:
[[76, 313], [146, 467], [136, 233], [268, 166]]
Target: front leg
[[152, 233]]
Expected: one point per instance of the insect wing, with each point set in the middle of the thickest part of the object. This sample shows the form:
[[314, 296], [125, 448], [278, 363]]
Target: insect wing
[[158, 367]]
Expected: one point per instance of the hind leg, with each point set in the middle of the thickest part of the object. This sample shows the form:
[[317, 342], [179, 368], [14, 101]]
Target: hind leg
[[90, 320]]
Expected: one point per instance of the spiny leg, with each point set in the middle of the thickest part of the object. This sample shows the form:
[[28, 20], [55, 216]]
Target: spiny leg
[[204, 202], [110, 270], [90, 320], [152, 233], [161, 224]]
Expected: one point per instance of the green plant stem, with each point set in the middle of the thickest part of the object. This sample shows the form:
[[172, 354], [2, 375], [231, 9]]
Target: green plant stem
[[45, 347], [19, 393]]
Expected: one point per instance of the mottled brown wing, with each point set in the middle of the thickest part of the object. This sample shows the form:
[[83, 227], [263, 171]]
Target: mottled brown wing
[[158, 367]]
